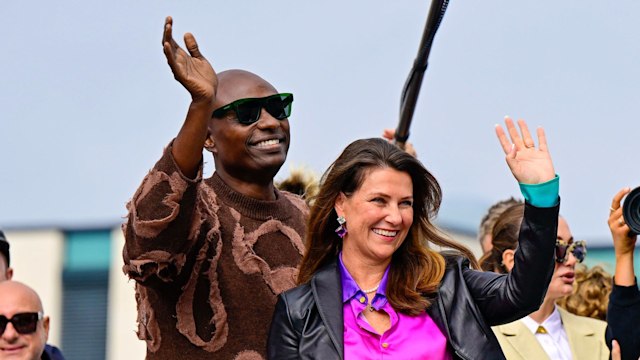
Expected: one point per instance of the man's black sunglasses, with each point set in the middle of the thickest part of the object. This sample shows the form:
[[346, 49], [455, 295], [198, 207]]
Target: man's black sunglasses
[[248, 110], [578, 249], [24, 323]]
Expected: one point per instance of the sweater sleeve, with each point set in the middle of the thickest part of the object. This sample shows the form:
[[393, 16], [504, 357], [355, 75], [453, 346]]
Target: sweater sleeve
[[505, 298], [623, 320], [162, 224]]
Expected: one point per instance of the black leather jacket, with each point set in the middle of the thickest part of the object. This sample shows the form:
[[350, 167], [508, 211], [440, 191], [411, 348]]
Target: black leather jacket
[[623, 319], [308, 320]]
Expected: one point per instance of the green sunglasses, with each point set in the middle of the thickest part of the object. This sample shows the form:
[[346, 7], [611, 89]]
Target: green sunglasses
[[248, 110]]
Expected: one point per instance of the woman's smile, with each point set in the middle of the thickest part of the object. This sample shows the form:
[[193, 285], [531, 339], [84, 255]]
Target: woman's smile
[[379, 214]]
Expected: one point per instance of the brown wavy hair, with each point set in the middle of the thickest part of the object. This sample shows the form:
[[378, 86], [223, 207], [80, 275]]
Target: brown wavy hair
[[493, 213], [504, 237], [416, 270], [590, 295]]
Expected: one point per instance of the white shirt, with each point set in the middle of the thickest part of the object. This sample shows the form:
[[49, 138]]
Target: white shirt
[[555, 341]]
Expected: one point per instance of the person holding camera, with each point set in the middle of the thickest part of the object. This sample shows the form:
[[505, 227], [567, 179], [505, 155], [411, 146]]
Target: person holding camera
[[623, 315]]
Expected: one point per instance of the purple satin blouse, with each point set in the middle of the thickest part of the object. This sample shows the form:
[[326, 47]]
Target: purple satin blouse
[[409, 337]]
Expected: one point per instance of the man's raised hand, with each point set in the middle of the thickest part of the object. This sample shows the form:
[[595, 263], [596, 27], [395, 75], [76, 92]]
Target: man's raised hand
[[191, 69]]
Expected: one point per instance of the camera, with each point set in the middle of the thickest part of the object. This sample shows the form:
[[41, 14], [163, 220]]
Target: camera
[[631, 210]]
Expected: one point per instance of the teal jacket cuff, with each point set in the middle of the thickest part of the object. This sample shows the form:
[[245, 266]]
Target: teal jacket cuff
[[542, 195]]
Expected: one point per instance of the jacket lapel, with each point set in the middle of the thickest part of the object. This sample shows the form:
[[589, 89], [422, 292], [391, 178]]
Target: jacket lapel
[[325, 285], [523, 344], [436, 313], [583, 340]]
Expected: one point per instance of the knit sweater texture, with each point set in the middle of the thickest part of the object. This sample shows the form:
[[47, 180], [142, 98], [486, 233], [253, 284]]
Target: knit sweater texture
[[208, 263]]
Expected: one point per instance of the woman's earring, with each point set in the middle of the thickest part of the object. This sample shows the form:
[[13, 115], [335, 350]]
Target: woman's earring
[[342, 229]]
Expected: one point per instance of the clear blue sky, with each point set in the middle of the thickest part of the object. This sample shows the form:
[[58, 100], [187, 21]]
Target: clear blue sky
[[88, 101]]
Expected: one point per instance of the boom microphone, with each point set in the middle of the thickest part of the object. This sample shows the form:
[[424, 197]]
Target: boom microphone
[[412, 85]]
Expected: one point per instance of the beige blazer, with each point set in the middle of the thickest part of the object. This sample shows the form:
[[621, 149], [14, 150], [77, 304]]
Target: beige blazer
[[586, 339]]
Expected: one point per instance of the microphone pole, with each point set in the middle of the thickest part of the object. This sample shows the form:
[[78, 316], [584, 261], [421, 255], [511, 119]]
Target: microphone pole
[[412, 85]]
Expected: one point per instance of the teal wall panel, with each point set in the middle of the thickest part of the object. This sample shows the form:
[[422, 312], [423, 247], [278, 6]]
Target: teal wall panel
[[88, 250], [606, 257]]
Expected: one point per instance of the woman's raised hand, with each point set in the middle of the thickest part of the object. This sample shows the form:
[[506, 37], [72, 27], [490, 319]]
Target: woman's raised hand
[[192, 70], [529, 165], [624, 242]]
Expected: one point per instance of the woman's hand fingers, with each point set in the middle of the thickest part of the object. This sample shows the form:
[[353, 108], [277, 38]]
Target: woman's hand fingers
[[527, 140], [615, 211], [615, 351], [388, 134], [623, 241], [542, 139], [507, 146], [513, 133], [617, 199]]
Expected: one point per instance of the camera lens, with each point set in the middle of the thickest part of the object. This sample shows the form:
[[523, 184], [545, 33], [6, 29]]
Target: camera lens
[[631, 210]]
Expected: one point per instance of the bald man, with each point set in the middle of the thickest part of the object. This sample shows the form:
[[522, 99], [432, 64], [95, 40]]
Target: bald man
[[24, 327], [210, 255], [6, 273]]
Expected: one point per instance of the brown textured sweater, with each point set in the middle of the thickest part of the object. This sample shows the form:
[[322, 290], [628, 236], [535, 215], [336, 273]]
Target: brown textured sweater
[[209, 263]]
